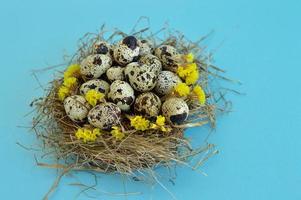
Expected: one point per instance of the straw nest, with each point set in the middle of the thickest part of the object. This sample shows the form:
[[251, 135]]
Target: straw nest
[[137, 150]]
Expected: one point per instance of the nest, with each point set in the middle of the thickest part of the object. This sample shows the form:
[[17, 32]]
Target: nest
[[138, 150]]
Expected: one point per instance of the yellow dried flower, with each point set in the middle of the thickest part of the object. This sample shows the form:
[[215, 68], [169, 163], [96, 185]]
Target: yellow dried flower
[[140, 123], [70, 82], [97, 132], [198, 90], [182, 89], [160, 124], [160, 121], [191, 67], [63, 92], [189, 57], [93, 96], [189, 73], [153, 126], [117, 133], [87, 135], [72, 71], [182, 72], [192, 78]]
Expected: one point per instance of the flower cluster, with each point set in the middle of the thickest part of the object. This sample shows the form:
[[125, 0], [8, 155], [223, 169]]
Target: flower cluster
[[182, 89], [70, 81], [93, 97], [189, 70], [160, 124], [87, 135], [199, 92], [117, 133], [142, 124], [189, 57], [72, 71]]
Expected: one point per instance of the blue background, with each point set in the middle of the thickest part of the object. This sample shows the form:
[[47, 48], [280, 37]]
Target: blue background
[[256, 41]]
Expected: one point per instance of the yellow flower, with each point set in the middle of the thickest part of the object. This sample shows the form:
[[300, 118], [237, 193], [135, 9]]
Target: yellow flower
[[160, 124], [182, 89], [140, 123], [63, 92], [191, 67], [93, 96], [72, 71], [70, 82], [117, 133], [97, 132], [153, 126], [160, 121], [189, 73], [189, 57], [198, 90], [182, 72], [192, 78], [87, 135]]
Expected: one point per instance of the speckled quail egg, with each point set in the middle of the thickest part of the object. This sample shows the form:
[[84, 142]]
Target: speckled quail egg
[[101, 47], [148, 104], [145, 47], [93, 66], [115, 73], [104, 116], [126, 51], [140, 77], [95, 84], [77, 108], [152, 61], [175, 110], [166, 82], [168, 56], [122, 94]]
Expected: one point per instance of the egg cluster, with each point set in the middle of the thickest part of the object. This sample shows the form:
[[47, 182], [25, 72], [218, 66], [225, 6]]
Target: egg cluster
[[132, 79]]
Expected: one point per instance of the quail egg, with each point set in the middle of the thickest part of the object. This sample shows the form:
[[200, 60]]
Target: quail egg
[[93, 66], [115, 73], [148, 104], [101, 47], [104, 115], [145, 47], [95, 84], [152, 61], [166, 82], [77, 108], [126, 51], [175, 110], [122, 94], [140, 77], [168, 56]]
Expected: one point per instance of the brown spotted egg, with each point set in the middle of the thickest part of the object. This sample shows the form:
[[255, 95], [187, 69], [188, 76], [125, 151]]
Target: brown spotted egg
[[145, 47], [95, 84], [152, 61], [140, 77], [104, 116], [168, 56], [93, 66], [175, 110], [115, 73], [77, 108], [126, 51], [101, 47], [148, 104], [166, 82], [122, 94]]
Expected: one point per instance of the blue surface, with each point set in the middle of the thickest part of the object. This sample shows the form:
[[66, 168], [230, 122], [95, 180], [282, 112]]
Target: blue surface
[[257, 42]]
